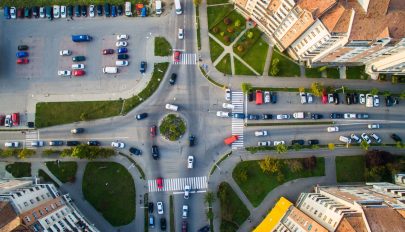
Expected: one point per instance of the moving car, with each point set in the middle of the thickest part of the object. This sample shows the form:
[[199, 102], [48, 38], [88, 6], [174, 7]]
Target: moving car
[[230, 140], [153, 131], [365, 137], [11, 144], [155, 152], [150, 207], [181, 33], [373, 126], [108, 51], [142, 68], [159, 207], [264, 143], [190, 161], [118, 144], [228, 106], [191, 140], [162, 221], [261, 133], [173, 79], [64, 73], [77, 130], [185, 211], [332, 129], [135, 151], [187, 189], [177, 56], [159, 183], [141, 116], [228, 94]]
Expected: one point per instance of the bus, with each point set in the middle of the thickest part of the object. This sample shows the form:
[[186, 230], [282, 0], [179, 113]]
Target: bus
[[178, 7], [259, 97]]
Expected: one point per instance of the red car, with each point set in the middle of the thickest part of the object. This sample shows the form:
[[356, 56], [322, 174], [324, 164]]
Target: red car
[[153, 131], [108, 51], [2, 118], [324, 97], [22, 61], [159, 182], [177, 56], [78, 72]]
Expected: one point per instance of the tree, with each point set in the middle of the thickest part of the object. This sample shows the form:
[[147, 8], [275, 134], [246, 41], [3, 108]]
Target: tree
[[249, 34], [66, 152], [227, 21], [241, 174], [317, 89], [83, 116], [301, 89], [331, 146], [197, 2], [280, 177], [209, 198], [270, 165], [246, 87], [364, 145], [274, 67], [230, 29], [7, 153], [394, 79], [215, 30], [227, 38], [240, 48], [281, 148], [374, 91], [309, 162], [209, 214], [297, 147], [386, 93], [294, 165], [24, 153], [237, 23]]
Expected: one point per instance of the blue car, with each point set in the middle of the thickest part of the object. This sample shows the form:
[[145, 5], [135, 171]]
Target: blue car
[[122, 50], [238, 115], [21, 54], [114, 11], [7, 12]]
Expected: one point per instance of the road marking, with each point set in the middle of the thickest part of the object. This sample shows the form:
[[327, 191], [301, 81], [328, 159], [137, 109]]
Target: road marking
[[237, 124], [178, 184], [186, 58]]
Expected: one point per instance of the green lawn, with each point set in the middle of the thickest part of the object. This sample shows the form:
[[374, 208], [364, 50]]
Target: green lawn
[[212, 2], [65, 171], [217, 13], [162, 47], [356, 72], [215, 50], [46, 179], [350, 168], [313, 73], [233, 211], [286, 67], [256, 56], [245, 43], [258, 184], [223, 33], [333, 72], [224, 65], [19, 169], [110, 189], [241, 69]]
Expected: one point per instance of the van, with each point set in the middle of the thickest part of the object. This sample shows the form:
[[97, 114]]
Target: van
[[345, 139], [110, 70], [172, 107], [15, 117], [158, 6]]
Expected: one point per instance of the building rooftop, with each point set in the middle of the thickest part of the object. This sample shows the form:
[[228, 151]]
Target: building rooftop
[[274, 217], [333, 16], [305, 221], [7, 214], [384, 219], [316, 7]]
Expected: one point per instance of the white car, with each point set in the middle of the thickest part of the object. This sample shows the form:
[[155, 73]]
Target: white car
[[349, 115], [64, 73], [187, 189], [122, 37], [56, 11], [13, 12], [310, 98], [261, 133], [121, 63], [375, 137], [266, 97], [65, 52], [37, 143], [77, 66], [190, 161], [355, 138], [228, 94], [228, 106], [330, 98], [333, 129], [362, 98], [121, 44], [278, 143], [365, 137], [91, 11], [42, 12], [283, 116], [373, 126], [264, 144], [118, 144], [369, 100], [8, 122], [11, 144], [63, 11], [159, 207], [181, 33], [376, 101], [185, 211], [303, 97], [223, 114]]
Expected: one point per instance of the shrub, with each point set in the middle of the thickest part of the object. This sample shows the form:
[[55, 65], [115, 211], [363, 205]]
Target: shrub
[[249, 34], [230, 29], [222, 33], [227, 21], [394, 79], [215, 30], [241, 48], [227, 39], [237, 23]]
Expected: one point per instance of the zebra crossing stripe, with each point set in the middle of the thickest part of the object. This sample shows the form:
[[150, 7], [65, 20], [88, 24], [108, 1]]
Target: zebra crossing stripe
[[176, 184], [186, 58], [237, 124]]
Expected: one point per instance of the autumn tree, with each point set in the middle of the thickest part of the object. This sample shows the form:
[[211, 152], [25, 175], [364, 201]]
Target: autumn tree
[[270, 165]]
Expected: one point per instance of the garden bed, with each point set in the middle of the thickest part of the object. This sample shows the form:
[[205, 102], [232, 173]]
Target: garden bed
[[172, 127], [229, 27]]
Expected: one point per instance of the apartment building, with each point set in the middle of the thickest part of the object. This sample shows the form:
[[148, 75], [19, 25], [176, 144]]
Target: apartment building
[[38, 207], [334, 32]]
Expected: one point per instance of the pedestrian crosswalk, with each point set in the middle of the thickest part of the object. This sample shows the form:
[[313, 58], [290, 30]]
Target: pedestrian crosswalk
[[177, 184], [31, 136], [237, 124], [186, 58]]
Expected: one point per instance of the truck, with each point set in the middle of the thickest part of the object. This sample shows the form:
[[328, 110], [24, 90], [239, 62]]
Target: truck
[[178, 7], [81, 38], [299, 115], [128, 11], [230, 140]]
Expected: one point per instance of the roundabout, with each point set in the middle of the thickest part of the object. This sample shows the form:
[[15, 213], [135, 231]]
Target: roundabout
[[172, 127]]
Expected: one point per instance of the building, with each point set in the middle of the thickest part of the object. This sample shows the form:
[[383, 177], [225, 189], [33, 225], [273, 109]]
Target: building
[[370, 207], [26, 205], [334, 32]]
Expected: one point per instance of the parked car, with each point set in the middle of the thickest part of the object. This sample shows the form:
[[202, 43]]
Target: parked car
[[348, 99], [78, 11], [375, 137], [238, 115], [336, 99], [283, 116], [267, 116], [155, 152], [69, 11], [77, 66], [99, 10], [22, 54], [279, 143], [122, 56], [64, 73], [12, 144], [316, 116], [184, 226], [141, 116], [56, 143], [376, 100], [121, 63], [63, 11], [333, 129], [135, 151], [22, 61], [22, 47], [204, 229], [369, 100], [159, 205], [163, 224], [313, 142], [266, 97], [396, 138], [336, 115], [151, 218], [37, 143], [150, 207], [389, 101], [93, 143], [122, 50], [13, 12], [27, 12], [273, 97], [72, 143], [8, 122], [121, 43], [84, 11], [362, 98], [119, 10], [362, 116], [107, 10], [113, 11], [303, 97], [298, 141], [264, 143], [108, 51], [349, 115], [310, 98], [79, 72], [253, 117], [355, 138], [117, 144], [91, 11], [65, 52], [373, 126], [365, 137], [78, 58], [330, 98]]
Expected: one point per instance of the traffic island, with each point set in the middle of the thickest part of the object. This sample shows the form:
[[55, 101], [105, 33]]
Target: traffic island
[[172, 127]]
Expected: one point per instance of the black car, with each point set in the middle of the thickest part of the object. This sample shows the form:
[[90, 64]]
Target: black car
[[316, 116], [155, 152], [142, 68], [93, 143], [273, 97], [22, 47], [355, 98], [122, 56], [119, 10], [77, 11], [298, 141], [253, 117], [191, 140], [336, 115], [163, 224], [313, 142], [150, 207], [349, 98], [134, 151], [389, 101], [396, 138], [69, 10], [99, 10], [84, 11], [141, 116], [35, 11], [56, 143], [173, 79], [72, 143], [204, 229], [362, 116], [107, 10], [267, 116], [251, 96], [30, 124], [336, 98]]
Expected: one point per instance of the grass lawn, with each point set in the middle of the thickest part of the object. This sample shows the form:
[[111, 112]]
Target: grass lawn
[[350, 168], [215, 50], [245, 43], [212, 2], [162, 47], [333, 72], [224, 65], [56, 113], [110, 189], [217, 13], [223, 33], [256, 56], [233, 211], [356, 72], [313, 73], [19, 169], [258, 184], [241, 69], [286, 67], [46, 179], [65, 171]]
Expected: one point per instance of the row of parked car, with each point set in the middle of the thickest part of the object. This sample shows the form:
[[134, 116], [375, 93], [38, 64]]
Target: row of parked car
[[293, 142], [10, 120]]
